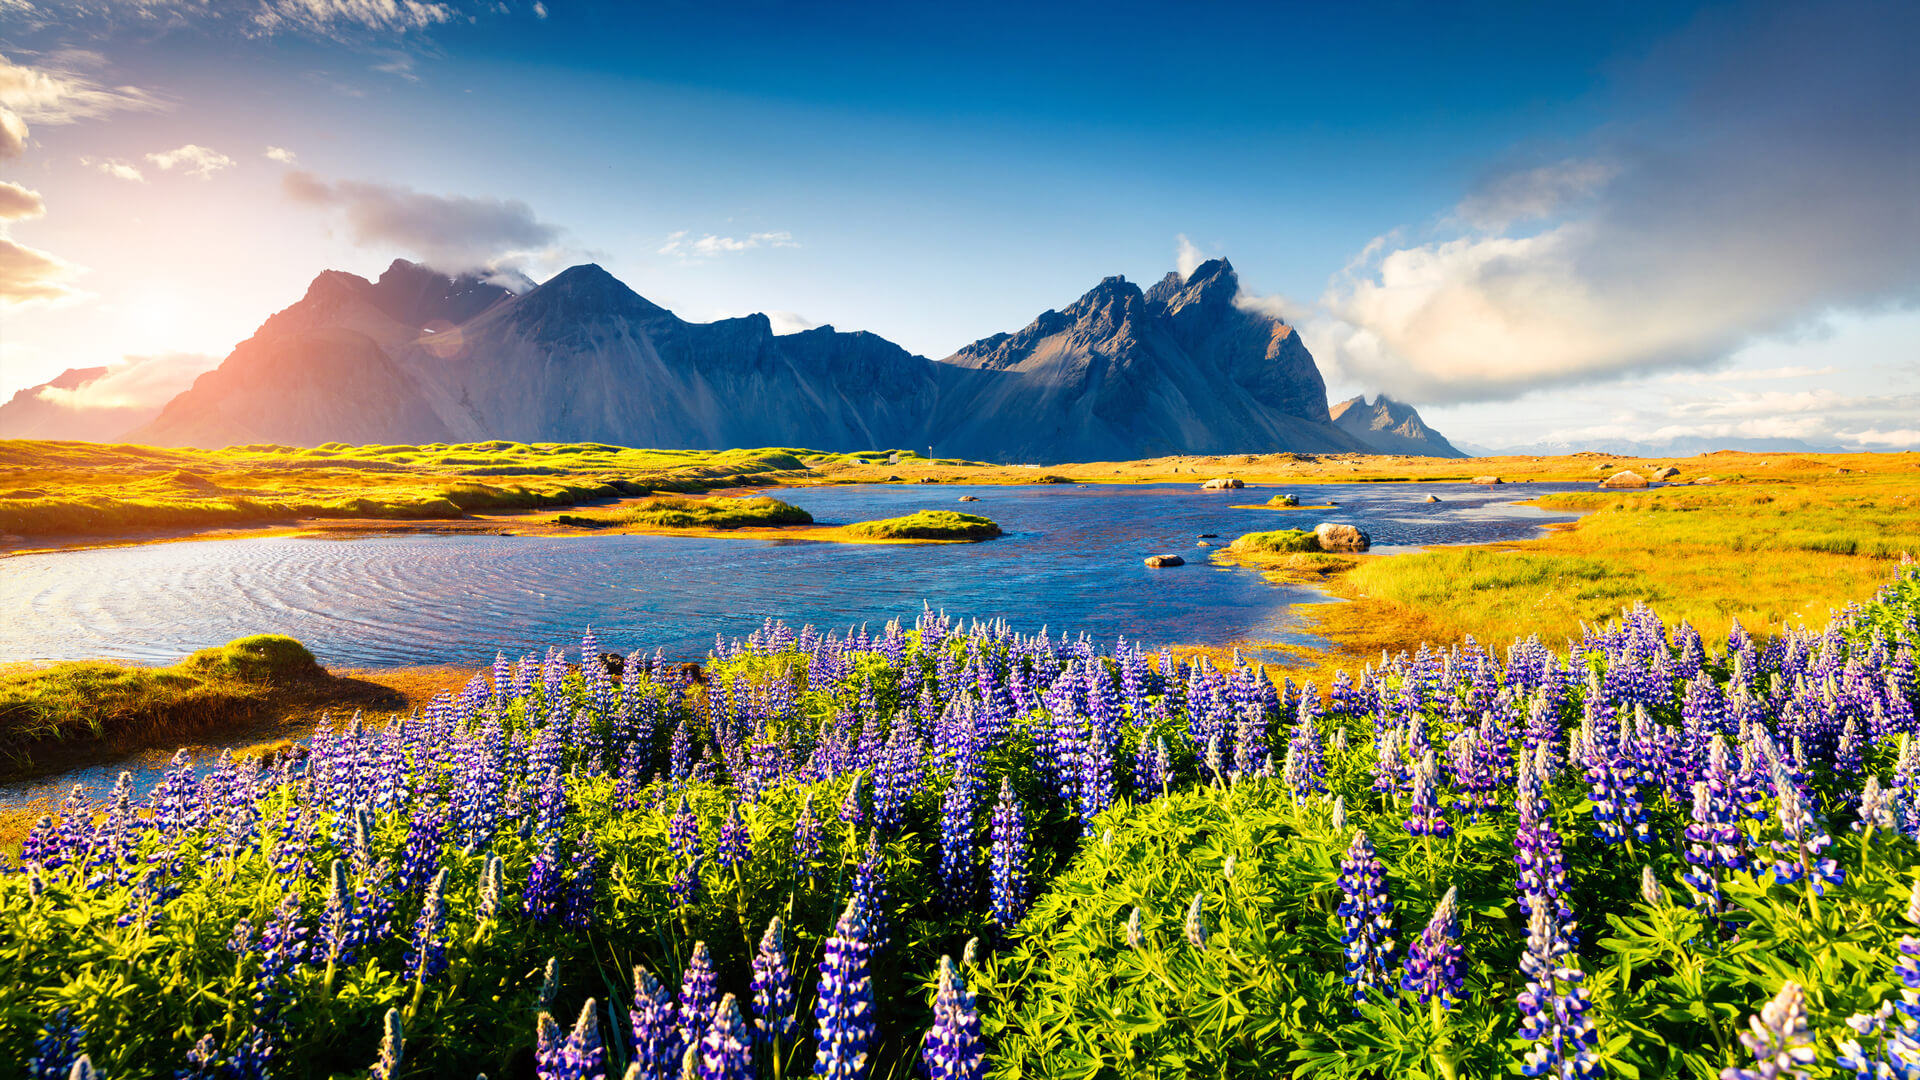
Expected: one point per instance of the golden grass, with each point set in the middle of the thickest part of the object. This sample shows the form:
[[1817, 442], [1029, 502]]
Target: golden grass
[[927, 525], [694, 514]]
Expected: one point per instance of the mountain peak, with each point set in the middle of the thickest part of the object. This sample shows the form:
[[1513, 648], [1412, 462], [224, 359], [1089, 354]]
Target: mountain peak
[[1390, 427]]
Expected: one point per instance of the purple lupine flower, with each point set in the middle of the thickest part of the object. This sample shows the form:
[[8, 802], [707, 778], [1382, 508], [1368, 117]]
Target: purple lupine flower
[[1366, 911], [806, 840], [1425, 816], [392, 1042], [580, 887], [427, 954], [736, 842], [773, 997], [845, 1029], [1434, 959], [580, 1055], [1780, 1041], [336, 918], [656, 1036], [853, 809], [545, 882], [1538, 846], [1806, 839], [726, 1048], [956, 843], [952, 1049], [57, 1048], [870, 889], [1008, 869], [1306, 762], [1554, 1004], [683, 842], [282, 948], [699, 993], [1714, 842]]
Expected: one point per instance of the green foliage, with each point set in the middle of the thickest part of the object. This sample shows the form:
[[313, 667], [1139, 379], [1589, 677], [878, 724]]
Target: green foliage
[[928, 525], [1277, 542]]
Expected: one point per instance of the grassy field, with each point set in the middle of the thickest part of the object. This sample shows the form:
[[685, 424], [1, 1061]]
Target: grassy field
[[1771, 548], [97, 489]]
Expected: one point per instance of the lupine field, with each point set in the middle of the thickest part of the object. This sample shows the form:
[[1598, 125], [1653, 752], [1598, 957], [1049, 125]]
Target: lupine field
[[952, 850]]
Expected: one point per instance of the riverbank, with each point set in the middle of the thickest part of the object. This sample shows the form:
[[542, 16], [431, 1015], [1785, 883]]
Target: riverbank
[[68, 495]]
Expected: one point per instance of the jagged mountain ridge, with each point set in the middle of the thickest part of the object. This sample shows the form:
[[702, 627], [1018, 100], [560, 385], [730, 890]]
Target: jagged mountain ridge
[[1391, 427], [416, 356]]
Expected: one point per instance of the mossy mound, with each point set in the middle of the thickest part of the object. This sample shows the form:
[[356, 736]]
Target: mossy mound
[[129, 704], [928, 525], [665, 513], [1280, 541]]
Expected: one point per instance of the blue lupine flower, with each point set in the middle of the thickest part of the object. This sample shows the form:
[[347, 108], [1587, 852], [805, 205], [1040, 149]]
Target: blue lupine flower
[[656, 1034], [1780, 1041], [699, 993], [773, 997], [1196, 926], [580, 1055], [427, 954], [726, 1049], [956, 843], [579, 893], [1554, 1004], [1366, 912], [870, 890], [845, 1028], [57, 1048], [1425, 816], [952, 1049], [736, 842], [683, 841], [1433, 970], [545, 882], [1008, 870]]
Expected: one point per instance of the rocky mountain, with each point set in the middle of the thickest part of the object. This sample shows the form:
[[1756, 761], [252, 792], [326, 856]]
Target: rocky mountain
[[417, 356], [1391, 427], [1123, 373]]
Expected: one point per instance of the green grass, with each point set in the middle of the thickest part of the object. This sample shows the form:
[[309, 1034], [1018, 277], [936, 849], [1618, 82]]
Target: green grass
[[75, 488], [928, 525], [695, 514], [96, 700], [1280, 541]]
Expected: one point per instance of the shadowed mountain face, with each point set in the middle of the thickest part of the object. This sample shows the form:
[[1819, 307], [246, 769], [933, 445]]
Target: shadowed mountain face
[[420, 357], [1391, 427]]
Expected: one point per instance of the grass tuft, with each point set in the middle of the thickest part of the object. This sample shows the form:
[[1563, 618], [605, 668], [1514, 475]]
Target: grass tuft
[[695, 514], [928, 525]]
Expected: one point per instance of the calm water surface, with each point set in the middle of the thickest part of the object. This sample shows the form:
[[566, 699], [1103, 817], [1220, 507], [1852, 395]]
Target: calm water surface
[[1070, 560]]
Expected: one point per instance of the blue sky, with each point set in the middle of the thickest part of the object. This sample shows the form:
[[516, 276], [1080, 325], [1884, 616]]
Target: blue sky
[[1532, 220]]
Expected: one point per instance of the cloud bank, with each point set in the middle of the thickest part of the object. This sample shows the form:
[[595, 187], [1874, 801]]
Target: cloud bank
[[452, 233], [1771, 182], [679, 244]]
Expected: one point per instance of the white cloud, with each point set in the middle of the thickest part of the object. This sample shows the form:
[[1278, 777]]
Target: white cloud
[[1739, 375], [135, 382], [116, 168], [679, 246], [192, 160], [29, 274], [1773, 189], [453, 233], [1904, 438], [20, 204], [280, 154], [332, 16], [539, 10], [1187, 257], [13, 134], [56, 96]]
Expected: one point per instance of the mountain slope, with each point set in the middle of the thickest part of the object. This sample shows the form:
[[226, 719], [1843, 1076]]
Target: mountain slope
[[1126, 374], [1391, 427], [417, 356]]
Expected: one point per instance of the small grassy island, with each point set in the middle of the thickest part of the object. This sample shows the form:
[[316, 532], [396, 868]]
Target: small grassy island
[[927, 525], [668, 513]]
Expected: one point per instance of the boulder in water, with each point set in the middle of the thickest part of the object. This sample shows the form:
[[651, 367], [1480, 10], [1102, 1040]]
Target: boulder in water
[[1337, 537], [1625, 478], [1225, 483], [1157, 561]]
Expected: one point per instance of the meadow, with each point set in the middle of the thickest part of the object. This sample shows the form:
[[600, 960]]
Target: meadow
[[953, 849]]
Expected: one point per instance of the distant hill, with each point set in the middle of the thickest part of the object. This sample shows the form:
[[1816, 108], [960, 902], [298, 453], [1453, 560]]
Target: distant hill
[[417, 356], [97, 403], [1391, 427], [1687, 446]]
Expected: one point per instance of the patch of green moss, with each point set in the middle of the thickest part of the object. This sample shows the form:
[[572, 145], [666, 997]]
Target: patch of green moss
[[928, 525]]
